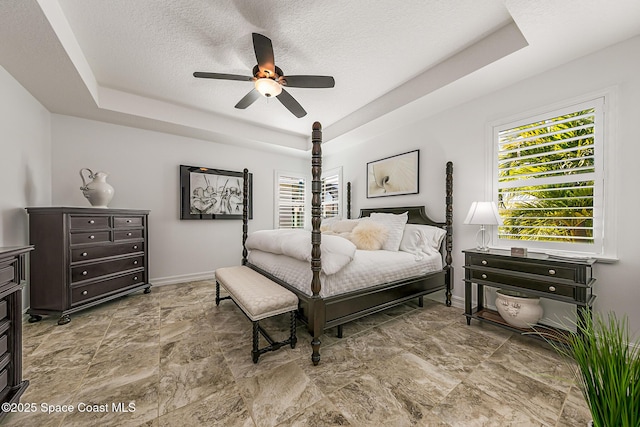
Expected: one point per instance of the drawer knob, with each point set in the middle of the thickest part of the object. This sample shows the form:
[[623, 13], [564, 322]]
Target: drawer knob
[[91, 221], [92, 237], [135, 262], [135, 246], [484, 262], [84, 273], [129, 234], [85, 292], [84, 254], [552, 288], [135, 277], [484, 276], [128, 220], [552, 272]]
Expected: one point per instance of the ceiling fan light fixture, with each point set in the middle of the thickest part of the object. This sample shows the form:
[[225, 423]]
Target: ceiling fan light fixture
[[268, 87]]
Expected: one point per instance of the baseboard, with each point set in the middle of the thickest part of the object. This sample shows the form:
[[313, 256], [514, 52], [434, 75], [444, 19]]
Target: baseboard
[[182, 278]]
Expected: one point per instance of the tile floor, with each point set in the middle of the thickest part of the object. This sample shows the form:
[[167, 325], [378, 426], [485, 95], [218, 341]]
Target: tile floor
[[181, 361]]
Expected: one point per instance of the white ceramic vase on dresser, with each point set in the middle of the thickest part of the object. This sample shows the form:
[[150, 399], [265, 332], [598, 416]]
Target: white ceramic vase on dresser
[[98, 191]]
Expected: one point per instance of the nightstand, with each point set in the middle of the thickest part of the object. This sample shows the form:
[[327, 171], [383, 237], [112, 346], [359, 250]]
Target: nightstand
[[536, 274]]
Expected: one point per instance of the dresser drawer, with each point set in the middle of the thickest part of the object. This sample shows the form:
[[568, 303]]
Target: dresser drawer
[[525, 267], [89, 222], [3, 310], [523, 282], [7, 274], [127, 234], [90, 271], [85, 293], [85, 254], [90, 237], [127, 221]]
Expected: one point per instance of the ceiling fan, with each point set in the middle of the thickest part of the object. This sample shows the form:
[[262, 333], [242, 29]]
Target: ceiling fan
[[269, 80]]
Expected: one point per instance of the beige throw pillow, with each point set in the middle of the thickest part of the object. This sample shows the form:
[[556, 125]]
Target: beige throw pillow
[[369, 235]]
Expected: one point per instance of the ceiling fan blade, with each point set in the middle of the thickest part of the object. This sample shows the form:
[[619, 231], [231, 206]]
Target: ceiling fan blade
[[291, 104], [310, 81], [248, 99], [264, 53], [221, 76]]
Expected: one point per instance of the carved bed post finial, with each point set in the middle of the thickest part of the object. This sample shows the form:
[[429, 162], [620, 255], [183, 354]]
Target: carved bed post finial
[[349, 200], [317, 312], [245, 214], [449, 226]]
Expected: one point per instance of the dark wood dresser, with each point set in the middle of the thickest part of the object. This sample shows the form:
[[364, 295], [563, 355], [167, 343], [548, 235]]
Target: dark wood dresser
[[85, 256], [12, 386], [536, 274]]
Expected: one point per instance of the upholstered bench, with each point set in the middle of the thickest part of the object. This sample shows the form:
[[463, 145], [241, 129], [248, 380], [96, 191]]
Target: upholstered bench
[[258, 298]]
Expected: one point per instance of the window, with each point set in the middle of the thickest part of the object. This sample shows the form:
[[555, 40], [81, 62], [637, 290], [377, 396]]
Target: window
[[548, 179], [291, 190], [331, 200]]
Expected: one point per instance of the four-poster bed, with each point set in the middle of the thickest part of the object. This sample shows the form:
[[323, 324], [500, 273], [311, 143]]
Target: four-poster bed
[[320, 311]]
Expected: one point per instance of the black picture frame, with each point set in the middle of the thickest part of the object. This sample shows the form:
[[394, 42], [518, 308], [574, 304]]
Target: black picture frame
[[207, 193], [394, 176]]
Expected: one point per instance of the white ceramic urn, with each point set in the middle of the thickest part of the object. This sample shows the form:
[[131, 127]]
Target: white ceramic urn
[[97, 191], [517, 309]]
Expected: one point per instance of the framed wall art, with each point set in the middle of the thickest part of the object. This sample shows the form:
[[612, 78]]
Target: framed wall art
[[393, 176], [207, 193]]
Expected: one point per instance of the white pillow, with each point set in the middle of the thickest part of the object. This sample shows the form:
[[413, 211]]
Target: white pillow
[[422, 238], [369, 235], [395, 224]]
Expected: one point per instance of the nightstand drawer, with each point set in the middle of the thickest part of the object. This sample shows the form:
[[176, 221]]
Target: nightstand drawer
[[555, 271], [85, 254], [3, 310], [4, 379], [89, 222], [90, 237], [497, 279], [6, 274], [3, 344]]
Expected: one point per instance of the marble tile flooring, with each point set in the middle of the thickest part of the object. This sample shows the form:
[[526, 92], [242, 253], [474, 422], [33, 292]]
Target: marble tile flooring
[[172, 358]]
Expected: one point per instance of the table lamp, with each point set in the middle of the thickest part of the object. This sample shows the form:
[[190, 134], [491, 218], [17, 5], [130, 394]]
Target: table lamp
[[483, 214]]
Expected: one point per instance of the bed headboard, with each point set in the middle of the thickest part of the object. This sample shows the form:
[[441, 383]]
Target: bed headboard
[[417, 214]]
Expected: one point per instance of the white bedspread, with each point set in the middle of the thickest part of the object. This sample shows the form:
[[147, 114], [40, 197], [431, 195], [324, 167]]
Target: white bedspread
[[336, 252], [368, 268]]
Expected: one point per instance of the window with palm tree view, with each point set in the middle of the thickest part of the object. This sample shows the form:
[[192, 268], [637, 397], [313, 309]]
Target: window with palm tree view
[[548, 184]]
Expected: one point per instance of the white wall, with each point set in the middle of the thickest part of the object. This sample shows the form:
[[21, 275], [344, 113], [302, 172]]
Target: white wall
[[143, 168], [25, 160], [459, 135]]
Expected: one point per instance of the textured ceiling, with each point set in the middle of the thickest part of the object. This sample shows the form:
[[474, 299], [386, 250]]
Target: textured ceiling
[[131, 62]]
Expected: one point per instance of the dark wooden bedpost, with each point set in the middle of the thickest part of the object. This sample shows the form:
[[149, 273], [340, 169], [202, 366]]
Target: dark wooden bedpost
[[245, 214], [448, 259], [348, 200], [316, 308]]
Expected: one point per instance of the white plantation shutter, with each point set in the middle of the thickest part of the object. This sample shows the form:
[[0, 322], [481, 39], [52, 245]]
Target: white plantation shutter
[[331, 195], [549, 184], [291, 204]]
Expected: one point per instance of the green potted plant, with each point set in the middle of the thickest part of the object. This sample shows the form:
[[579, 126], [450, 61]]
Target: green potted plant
[[608, 369]]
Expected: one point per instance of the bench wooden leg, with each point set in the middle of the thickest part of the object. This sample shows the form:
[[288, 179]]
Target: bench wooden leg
[[218, 299], [255, 353], [292, 337]]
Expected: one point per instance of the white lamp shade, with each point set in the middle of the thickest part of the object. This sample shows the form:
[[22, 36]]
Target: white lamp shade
[[268, 87], [483, 213]]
